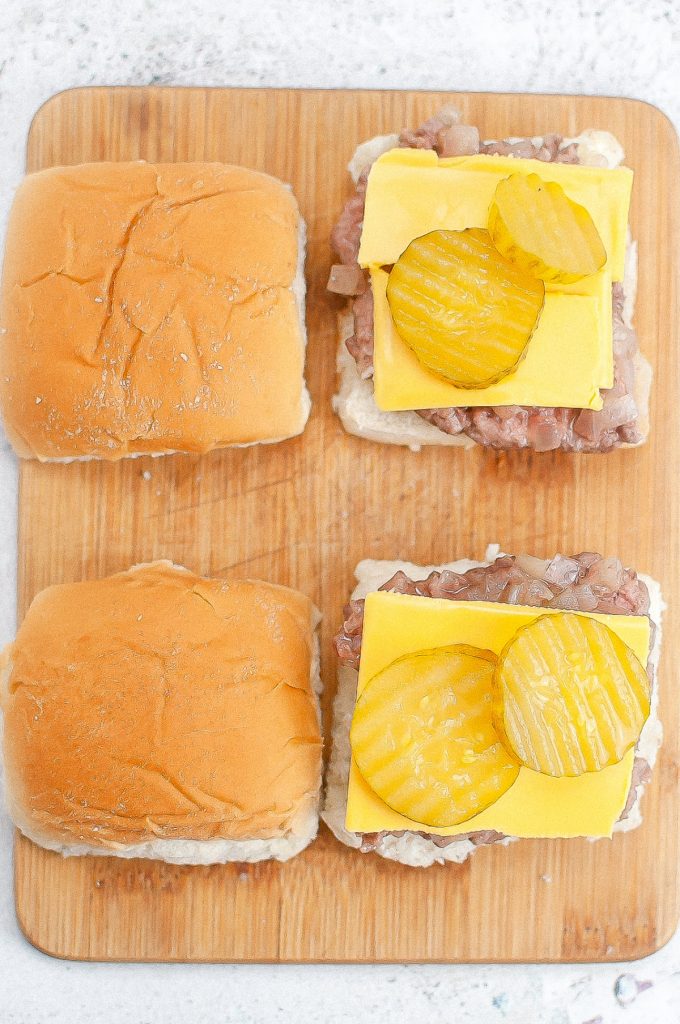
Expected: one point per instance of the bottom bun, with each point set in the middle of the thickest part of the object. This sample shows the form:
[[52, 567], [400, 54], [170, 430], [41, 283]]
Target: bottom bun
[[199, 851], [355, 405], [414, 848]]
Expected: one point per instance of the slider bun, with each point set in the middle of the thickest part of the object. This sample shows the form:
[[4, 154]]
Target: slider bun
[[157, 710], [149, 308]]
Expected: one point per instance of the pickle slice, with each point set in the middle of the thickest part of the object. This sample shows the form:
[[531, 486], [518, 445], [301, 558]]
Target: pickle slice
[[536, 225], [569, 695], [466, 311], [423, 738]]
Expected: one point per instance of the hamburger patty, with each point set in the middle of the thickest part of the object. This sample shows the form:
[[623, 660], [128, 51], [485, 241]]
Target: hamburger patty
[[586, 582], [502, 427]]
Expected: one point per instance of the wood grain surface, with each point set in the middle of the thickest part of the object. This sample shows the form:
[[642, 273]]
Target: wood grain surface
[[304, 512]]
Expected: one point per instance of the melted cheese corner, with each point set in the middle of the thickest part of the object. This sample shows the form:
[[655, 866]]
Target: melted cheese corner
[[570, 356], [537, 806]]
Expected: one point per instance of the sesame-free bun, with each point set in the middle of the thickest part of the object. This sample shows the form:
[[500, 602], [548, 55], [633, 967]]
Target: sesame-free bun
[[149, 308], [156, 713]]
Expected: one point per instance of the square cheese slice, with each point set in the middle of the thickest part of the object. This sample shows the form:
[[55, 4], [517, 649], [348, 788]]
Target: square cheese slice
[[413, 191], [537, 806], [570, 357]]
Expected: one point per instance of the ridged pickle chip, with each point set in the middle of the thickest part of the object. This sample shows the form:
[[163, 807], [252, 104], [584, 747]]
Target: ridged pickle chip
[[537, 226], [422, 736], [466, 311], [569, 695]]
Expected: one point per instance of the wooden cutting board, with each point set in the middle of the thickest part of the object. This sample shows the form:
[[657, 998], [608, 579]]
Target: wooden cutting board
[[304, 512]]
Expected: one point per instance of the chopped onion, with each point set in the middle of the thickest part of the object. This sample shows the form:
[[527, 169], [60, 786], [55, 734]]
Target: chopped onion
[[446, 584], [534, 567], [534, 593], [566, 601], [506, 412], [607, 572], [346, 280], [458, 140], [562, 571], [585, 598], [400, 583], [587, 558], [619, 411], [588, 424], [546, 436]]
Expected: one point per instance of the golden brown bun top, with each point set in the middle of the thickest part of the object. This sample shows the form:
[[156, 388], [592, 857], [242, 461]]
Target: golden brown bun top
[[148, 308], [158, 704]]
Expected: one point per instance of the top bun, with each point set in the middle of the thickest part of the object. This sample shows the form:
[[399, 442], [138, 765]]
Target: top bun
[[159, 705], [150, 308]]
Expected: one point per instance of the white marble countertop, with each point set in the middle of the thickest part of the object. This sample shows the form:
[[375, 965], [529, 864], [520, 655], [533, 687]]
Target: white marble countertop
[[612, 47]]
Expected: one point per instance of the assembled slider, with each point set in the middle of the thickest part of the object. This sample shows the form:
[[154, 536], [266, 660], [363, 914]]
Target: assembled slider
[[481, 703]]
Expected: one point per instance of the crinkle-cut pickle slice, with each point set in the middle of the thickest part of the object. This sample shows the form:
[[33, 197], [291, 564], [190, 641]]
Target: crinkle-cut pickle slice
[[569, 695], [535, 224], [466, 311], [423, 738]]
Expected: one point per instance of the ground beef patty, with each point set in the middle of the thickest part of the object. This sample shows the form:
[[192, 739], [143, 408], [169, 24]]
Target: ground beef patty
[[586, 582], [500, 427]]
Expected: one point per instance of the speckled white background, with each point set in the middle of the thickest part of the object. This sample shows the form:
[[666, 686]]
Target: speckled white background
[[614, 47]]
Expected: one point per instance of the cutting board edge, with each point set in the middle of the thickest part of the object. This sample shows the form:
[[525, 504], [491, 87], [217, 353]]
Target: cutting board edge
[[632, 101], [668, 129]]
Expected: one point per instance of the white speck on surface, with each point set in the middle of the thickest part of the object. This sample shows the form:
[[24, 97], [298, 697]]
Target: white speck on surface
[[546, 878], [627, 988], [146, 475], [38, 400], [183, 356], [624, 47]]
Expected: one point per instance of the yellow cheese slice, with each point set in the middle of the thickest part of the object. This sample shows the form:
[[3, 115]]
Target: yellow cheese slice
[[536, 806], [569, 358], [413, 191]]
